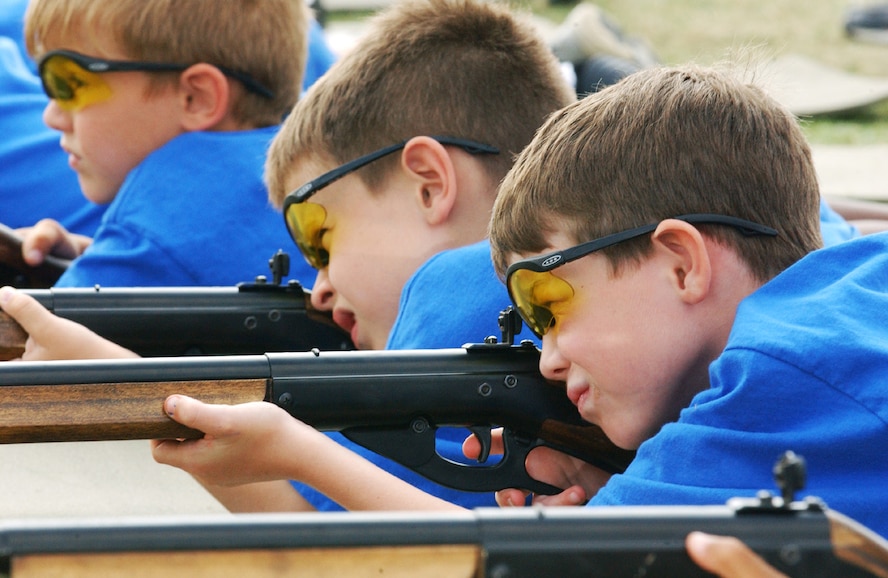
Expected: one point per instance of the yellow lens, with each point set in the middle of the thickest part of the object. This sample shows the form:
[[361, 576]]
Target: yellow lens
[[306, 224], [538, 296], [71, 86]]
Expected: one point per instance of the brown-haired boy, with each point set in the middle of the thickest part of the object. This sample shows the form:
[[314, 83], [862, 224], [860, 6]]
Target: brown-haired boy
[[166, 108], [676, 280], [662, 238], [462, 86]]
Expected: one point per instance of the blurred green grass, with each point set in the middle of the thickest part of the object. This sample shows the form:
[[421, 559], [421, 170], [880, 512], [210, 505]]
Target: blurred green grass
[[710, 31]]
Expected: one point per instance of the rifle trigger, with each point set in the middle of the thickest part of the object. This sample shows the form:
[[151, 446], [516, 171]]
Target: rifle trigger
[[484, 438]]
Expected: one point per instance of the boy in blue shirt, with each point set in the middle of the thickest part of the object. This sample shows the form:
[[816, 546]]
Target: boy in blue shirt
[[436, 157], [699, 323], [712, 334], [165, 110]]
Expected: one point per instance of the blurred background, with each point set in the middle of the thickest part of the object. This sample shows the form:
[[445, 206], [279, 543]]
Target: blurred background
[[710, 31]]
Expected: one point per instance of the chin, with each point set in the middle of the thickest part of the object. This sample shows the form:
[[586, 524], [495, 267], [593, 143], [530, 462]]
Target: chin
[[97, 195]]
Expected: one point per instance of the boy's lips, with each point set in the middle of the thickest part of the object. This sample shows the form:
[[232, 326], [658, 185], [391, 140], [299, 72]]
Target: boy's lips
[[73, 158], [346, 320], [577, 393]]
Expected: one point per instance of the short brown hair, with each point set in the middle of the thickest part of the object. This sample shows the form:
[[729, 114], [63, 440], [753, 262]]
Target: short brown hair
[[266, 39], [661, 143], [461, 68]]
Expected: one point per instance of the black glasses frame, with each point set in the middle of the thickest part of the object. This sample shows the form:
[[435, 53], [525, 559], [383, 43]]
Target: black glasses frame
[[310, 188], [556, 259], [98, 65]]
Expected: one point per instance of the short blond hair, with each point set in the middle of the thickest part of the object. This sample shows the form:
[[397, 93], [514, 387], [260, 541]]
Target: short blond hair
[[460, 68], [266, 39], [661, 143]]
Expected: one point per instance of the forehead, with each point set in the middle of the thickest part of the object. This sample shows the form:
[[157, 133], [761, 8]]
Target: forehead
[[87, 44], [553, 241]]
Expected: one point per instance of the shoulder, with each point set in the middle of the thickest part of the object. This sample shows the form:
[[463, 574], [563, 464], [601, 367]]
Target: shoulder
[[214, 145], [453, 299], [196, 162], [821, 325], [470, 261]]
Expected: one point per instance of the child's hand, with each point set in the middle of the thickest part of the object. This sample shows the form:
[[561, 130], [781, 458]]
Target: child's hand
[[243, 443], [52, 337], [580, 478], [727, 557], [48, 237]]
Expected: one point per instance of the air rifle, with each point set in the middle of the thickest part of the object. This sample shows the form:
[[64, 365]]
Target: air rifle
[[800, 538], [391, 402], [168, 321]]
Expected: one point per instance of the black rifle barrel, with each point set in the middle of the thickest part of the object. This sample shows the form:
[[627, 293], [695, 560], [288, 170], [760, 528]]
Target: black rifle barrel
[[251, 318], [614, 542]]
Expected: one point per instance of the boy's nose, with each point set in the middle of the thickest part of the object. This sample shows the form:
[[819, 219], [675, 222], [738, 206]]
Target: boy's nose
[[55, 117], [322, 292], [552, 364]]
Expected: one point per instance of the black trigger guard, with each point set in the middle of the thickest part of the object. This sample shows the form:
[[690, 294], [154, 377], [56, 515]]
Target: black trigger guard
[[415, 449]]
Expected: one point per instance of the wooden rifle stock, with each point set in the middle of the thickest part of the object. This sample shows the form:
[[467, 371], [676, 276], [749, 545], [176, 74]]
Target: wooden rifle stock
[[392, 402]]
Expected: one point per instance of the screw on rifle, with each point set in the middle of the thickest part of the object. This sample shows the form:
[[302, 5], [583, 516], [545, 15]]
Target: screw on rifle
[[285, 399], [789, 473], [419, 425], [790, 554], [484, 389], [510, 381], [250, 322]]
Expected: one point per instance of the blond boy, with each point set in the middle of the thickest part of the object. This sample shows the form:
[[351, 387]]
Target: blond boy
[[165, 109]]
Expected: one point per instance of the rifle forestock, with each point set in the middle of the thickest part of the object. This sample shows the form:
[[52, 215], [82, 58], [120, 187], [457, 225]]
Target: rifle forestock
[[613, 542], [250, 318], [389, 401]]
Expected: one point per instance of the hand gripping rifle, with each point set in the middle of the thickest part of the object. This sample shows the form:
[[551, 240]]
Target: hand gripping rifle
[[13, 269], [802, 539], [250, 318], [391, 402]]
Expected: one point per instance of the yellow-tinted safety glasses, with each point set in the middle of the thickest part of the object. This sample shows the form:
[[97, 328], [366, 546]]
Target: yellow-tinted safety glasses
[[73, 80], [539, 295], [305, 221]]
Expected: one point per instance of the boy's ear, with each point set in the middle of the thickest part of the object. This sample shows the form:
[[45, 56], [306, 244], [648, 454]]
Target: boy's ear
[[205, 94], [429, 165], [685, 253]]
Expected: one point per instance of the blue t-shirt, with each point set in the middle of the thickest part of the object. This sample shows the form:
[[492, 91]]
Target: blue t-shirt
[[194, 212], [833, 228], [436, 313], [320, 56], [453, 299], [35, 179], [804, 370]]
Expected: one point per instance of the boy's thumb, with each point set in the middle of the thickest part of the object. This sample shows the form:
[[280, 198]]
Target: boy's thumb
[[22, 308], [180, 408]]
